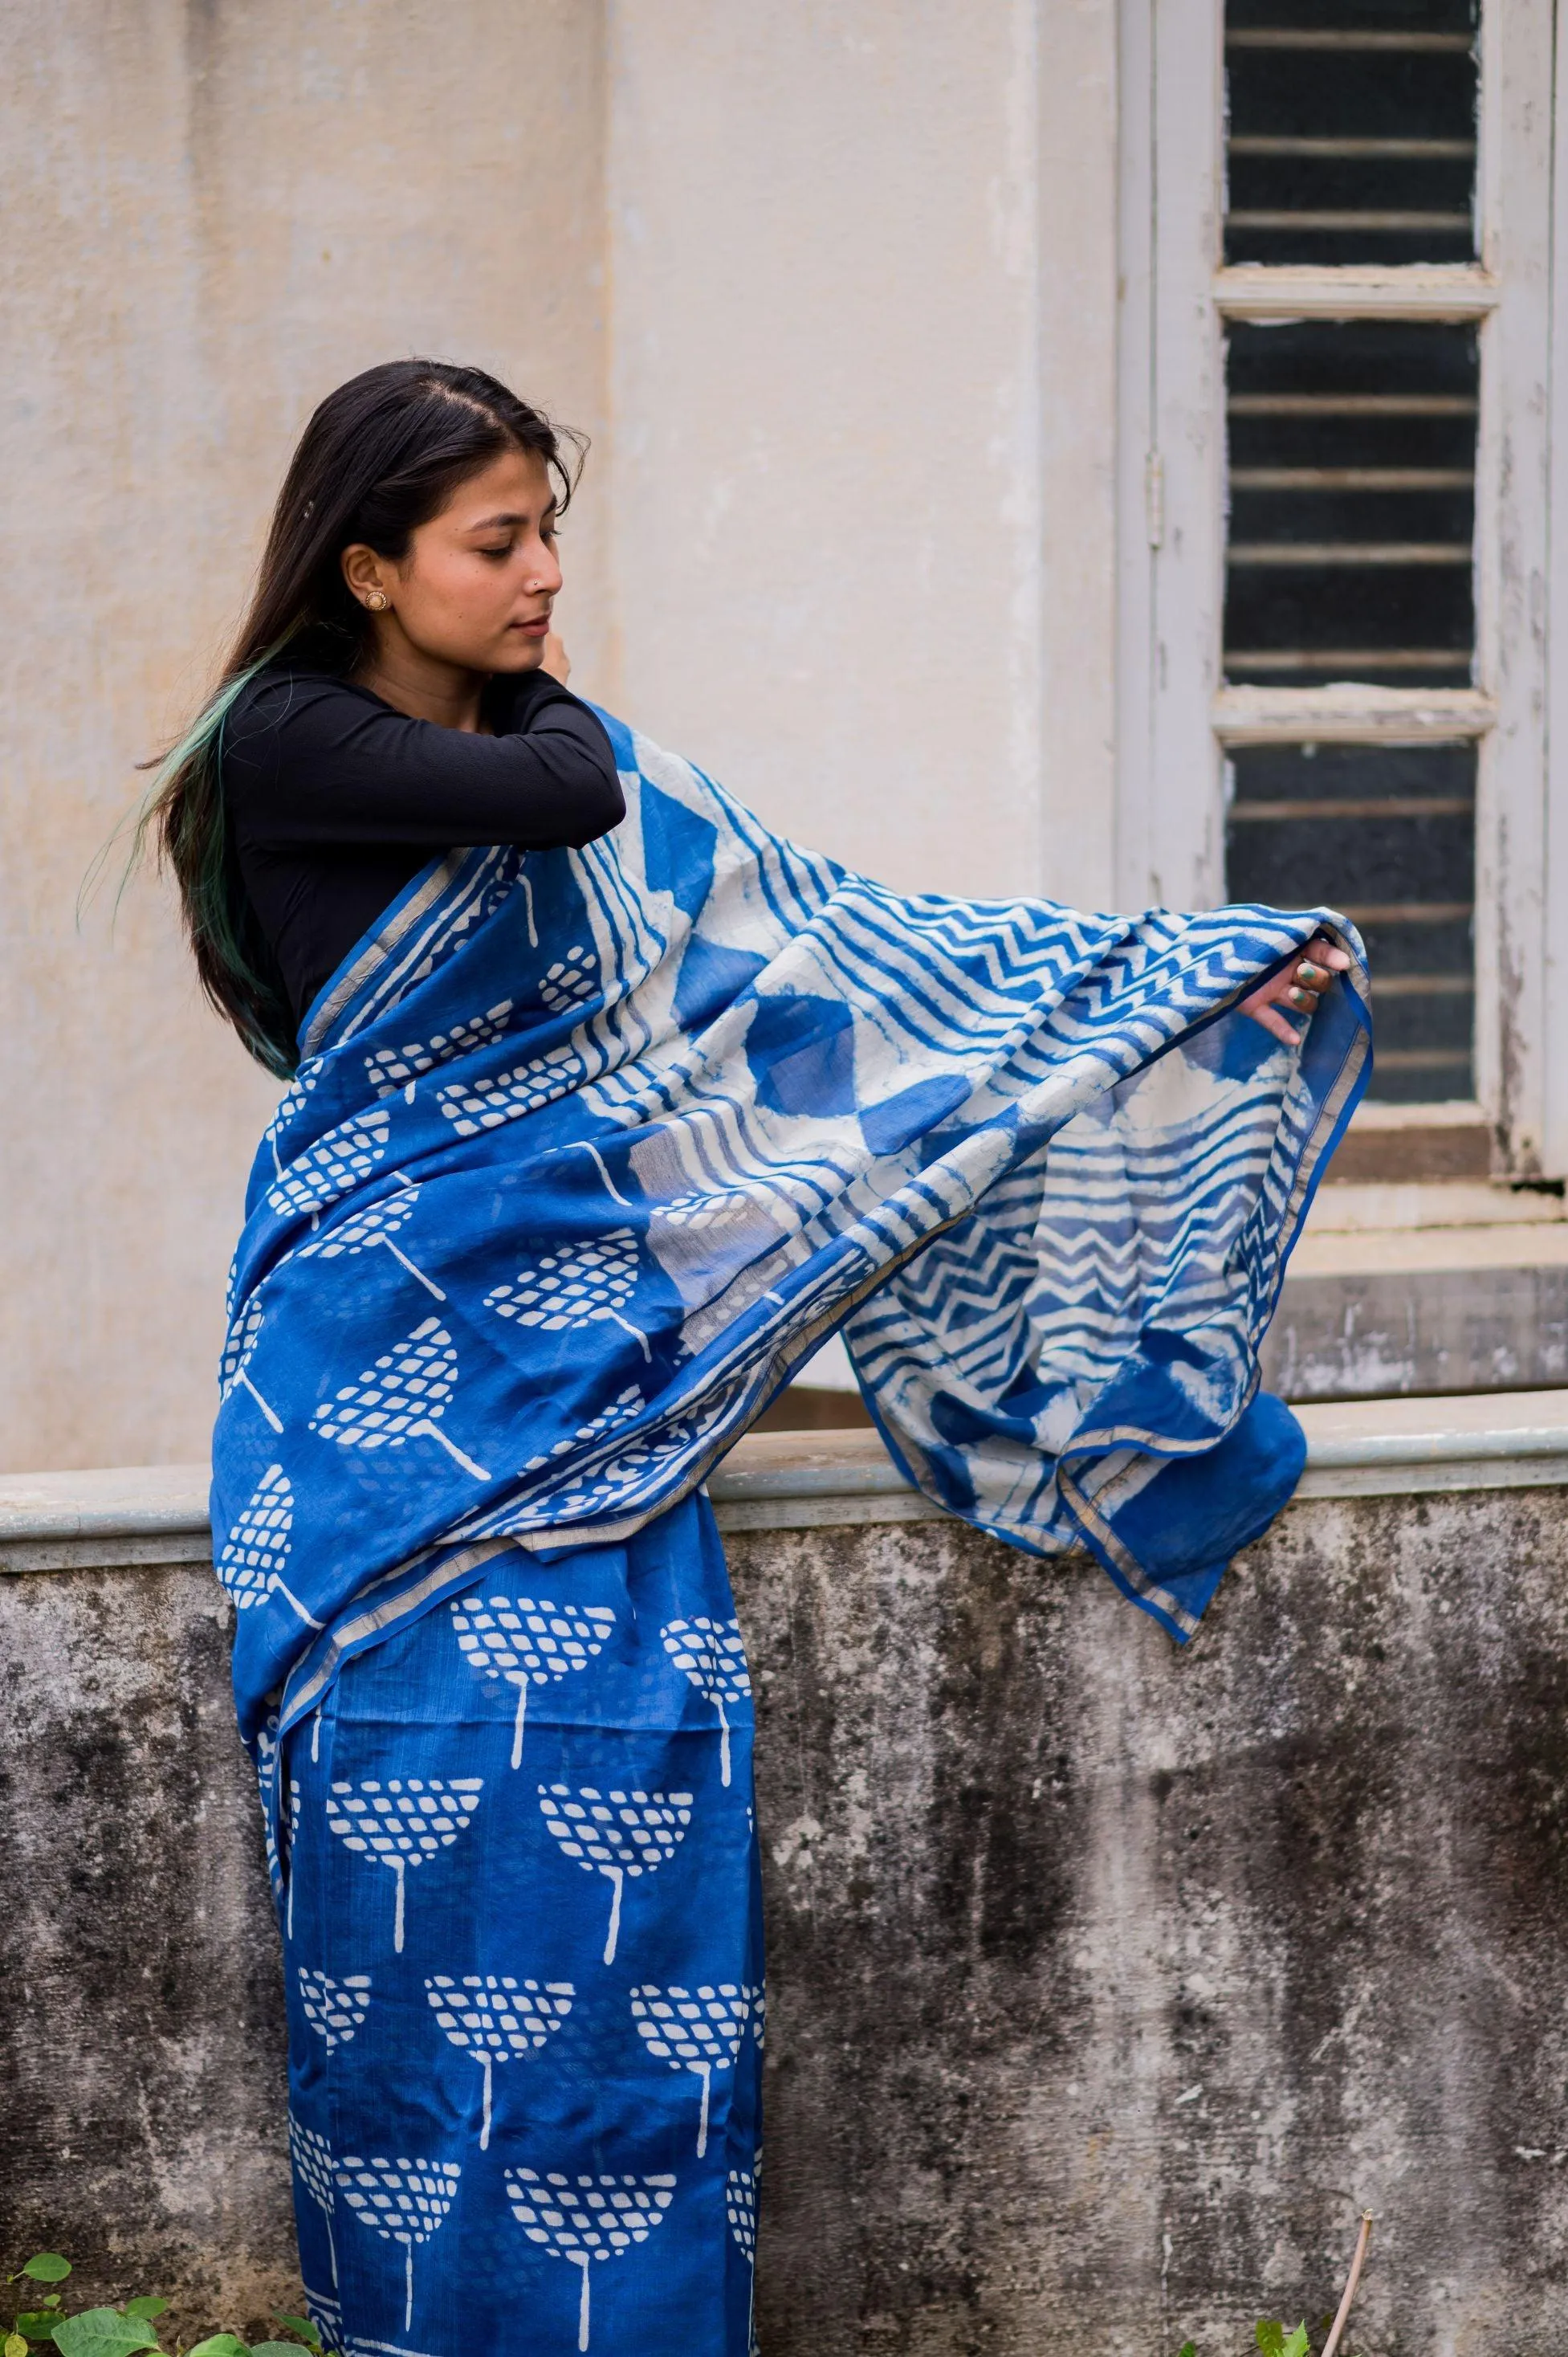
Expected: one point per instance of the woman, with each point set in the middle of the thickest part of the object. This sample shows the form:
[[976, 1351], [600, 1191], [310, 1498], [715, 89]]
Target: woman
[[593, 1132]]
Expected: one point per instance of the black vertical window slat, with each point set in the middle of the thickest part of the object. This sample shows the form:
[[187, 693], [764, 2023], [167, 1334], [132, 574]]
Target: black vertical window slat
[[1352, 460]]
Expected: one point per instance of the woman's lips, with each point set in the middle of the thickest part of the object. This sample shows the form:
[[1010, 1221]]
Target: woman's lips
[[537, 629]]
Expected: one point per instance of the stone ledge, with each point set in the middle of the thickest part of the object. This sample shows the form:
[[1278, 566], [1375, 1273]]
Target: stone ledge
[[1430, 1316], [138, 1516]]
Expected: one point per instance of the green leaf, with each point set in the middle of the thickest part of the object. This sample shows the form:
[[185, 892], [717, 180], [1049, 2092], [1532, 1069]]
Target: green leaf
[[148, 2306], [302, 2325], [15, 2346], [1187, 2349], [47, 2266], [222, 2344], [38, 2323], [274, 2348], [1276, 2341], [98, 2332]]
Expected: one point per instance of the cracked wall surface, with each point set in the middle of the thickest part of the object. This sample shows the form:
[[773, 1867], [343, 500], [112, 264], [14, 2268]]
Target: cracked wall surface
[[1107, 1983]]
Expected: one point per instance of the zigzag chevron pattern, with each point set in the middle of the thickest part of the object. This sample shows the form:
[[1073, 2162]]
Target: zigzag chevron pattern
[[1027, 1151]]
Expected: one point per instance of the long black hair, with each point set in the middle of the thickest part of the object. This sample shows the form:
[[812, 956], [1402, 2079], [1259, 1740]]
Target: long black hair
[[381, 456]]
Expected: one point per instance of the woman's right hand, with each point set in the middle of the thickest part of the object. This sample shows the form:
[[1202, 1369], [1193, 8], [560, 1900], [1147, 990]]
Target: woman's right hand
[[556, 660], [1298, 987]]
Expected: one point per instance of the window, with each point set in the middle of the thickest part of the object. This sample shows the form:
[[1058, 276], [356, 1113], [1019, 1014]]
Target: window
[[1350, 131], [1333, 634]]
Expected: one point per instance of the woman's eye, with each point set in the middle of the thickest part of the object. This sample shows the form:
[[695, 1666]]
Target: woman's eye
[[504, 550]]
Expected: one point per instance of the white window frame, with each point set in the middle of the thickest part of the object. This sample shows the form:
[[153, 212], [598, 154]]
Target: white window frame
[[1174, 719]]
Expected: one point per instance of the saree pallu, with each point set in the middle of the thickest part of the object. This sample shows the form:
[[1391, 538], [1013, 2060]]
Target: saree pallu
[[586, 1153]]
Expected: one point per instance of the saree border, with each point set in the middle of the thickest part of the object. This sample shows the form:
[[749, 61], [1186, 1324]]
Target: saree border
[[376, 947]]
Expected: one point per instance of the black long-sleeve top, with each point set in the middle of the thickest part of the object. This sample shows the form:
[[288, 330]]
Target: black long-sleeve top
[[335, 802]]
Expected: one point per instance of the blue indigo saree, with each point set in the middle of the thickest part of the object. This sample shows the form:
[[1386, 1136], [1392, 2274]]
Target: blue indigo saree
[[585, 1153], [524, 1960]]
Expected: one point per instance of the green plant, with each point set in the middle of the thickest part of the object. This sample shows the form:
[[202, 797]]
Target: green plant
[[126, 2330], [1276, 2340]]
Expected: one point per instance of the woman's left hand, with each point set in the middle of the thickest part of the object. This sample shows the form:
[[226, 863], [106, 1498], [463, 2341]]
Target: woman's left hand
[[1299, 987]]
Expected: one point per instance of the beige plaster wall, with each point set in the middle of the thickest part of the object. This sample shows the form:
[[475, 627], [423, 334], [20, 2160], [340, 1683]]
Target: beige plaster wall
[[213, 212], [833, 287], [864, 270]]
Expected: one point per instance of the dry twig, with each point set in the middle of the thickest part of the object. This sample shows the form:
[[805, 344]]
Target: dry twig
[[1362, 2239]]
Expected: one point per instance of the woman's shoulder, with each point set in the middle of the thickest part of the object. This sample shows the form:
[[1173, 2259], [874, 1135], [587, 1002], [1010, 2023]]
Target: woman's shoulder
[[281, 690], [284, 706]]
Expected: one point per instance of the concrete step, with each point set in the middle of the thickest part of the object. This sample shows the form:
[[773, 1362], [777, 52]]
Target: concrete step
[[1393, 1288], [1371, 1314]]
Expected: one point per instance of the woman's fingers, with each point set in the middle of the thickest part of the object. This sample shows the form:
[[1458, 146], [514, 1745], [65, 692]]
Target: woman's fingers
[[1319, 964], [1299, 987], [1264, 1003], [1271, 1020]]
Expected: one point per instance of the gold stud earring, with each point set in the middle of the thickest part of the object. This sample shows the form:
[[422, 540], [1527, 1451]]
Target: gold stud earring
[[377, 601]]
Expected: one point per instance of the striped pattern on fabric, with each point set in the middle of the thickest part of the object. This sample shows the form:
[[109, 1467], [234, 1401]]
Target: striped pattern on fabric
[[652, 1119]]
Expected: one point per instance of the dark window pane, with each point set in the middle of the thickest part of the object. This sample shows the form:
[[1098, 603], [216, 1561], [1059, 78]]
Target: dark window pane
[[1352, 456], [1388, 836], [1351, 130], [1351, 139]]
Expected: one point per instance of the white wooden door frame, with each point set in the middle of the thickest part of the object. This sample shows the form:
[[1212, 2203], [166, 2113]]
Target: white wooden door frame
[[1171, 524], [1512, 567], [1173, 719], [1554, 863]]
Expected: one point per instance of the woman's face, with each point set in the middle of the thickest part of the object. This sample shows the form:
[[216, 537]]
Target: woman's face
[[479, 579]]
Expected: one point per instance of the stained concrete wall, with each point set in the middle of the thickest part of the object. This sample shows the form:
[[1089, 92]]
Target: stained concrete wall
[[214, 211], [1107, 1983], [142, 2122]]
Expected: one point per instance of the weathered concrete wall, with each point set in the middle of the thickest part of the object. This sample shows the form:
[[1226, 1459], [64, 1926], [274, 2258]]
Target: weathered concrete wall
[[142, 2124], [213, 213], [1111, 1983], [1107, 1983]]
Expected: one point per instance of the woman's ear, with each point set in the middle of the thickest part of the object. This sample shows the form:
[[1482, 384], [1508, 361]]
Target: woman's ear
[[362, 570]]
